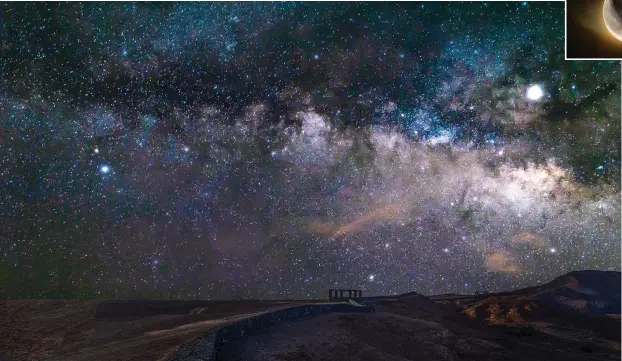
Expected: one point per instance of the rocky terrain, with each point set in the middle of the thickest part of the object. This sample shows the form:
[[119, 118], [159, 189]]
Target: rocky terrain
[[574, 317]]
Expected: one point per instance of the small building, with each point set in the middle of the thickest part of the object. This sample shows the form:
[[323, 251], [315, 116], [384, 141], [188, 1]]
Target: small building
[[344, 295], [481, 293]]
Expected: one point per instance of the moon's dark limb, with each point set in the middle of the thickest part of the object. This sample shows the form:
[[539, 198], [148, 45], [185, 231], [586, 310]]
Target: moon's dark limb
[[612, 14]]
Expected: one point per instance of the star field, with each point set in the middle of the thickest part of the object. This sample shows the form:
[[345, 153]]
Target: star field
[[275, 150]]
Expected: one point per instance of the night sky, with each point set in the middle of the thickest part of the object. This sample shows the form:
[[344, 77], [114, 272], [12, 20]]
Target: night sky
[[275, 150]]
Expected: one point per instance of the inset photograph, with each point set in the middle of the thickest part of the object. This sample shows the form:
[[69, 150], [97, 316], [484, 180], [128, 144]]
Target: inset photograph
[[593, 29]]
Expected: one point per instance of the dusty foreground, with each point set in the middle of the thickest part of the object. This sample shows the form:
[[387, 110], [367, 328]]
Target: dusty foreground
[[67, 330], [574, 317], [417, 328], [566, 319]]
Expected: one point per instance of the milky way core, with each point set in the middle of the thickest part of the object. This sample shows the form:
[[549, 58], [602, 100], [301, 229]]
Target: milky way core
[[276, 150]]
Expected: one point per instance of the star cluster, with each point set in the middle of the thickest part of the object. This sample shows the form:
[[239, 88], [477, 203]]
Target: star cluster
[[275, 150]]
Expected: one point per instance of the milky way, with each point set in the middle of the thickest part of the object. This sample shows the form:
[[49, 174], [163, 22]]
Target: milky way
[[275, 150]]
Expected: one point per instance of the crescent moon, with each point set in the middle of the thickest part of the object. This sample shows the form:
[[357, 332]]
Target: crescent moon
[[613, 20]]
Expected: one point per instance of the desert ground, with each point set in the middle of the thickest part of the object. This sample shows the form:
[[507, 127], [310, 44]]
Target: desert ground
[[574, 317], [417, 328], [70, 330]]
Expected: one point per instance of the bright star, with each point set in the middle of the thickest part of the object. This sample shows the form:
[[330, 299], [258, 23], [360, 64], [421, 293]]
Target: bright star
[[186, 149], [104, 169], [371, 277], [446, 250], [552, 250], [535, 92]]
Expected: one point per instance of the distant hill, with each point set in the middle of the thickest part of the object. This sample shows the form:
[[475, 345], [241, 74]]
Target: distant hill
[[592, 292], [588, 301]]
